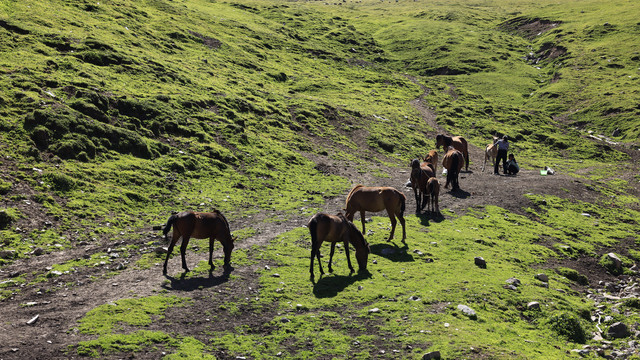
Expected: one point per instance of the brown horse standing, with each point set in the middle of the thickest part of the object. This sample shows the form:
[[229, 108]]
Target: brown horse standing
[[334, 228], [376, 199], [420, 174], [457, 142], [432, 158], [433, 191], [453, 162], [200, 225]]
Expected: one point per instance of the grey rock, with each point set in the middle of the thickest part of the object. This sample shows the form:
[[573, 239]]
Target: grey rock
[[374, 310], [33, 320], [618, 331], [513, 281], [534, 305], [38, 251], [435, 355], [542, 277], [480, 262], [467, 311]]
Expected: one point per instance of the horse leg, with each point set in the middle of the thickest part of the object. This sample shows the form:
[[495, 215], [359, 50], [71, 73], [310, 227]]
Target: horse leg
[[318, 257], [404, 231], [166, 260], [313, 254], [346, 250], [362, 219], [211, 242], [333, 248], [183, 251], [417, 196], [227, 248], [393, 224]]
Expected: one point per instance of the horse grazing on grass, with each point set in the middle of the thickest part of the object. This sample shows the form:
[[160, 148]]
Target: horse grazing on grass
[[420, 174], [432, 158], [199, 225], [334, 228], [491, 152], [453, 161], [376, 199], [433, 192], [457, 142]]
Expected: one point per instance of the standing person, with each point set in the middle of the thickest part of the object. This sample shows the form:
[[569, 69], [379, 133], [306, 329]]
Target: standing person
[[512, 165], [503, 147]]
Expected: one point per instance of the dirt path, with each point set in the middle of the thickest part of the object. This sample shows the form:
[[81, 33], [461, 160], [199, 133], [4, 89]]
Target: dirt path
[[76, 293]]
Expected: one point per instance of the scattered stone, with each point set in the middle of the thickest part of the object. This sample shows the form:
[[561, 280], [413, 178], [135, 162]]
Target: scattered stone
[[581, 352], [7, 254], [510, 287], [542, 277], [360, 287], [33, 320], [285, 320], [513, 281], [276, 275], [467, 311], [38, 251], [374, 311], [614, 263], [266, 267], [433, 355], [417, 252], [480, 262], [618, 331], [161, 250], [534, 305], [414, 298], [30, 303], [157, 227]]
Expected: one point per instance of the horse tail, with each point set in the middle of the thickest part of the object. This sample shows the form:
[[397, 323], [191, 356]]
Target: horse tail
[[167, 227], [403, 203], [313, 229]]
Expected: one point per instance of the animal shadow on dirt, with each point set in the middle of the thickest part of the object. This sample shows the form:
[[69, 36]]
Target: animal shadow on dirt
[[392, 252], [460, 194], [332, 285], [198, 282]]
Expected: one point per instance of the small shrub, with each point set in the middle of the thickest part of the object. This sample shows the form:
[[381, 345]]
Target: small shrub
[[7, 217], [568, 325], [573, 275], [60, 182], [4, 187]]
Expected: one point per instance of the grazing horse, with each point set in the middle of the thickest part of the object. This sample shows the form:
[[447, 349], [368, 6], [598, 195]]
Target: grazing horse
[[433, 191], [453, 162], [376, 199], [432, 158], [420, 174], [334, 228], [457, 142], [491, 152], [199, 225]]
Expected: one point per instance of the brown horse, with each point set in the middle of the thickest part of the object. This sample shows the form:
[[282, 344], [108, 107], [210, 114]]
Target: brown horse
[[453, 162], [420, 173], [432, 158], [491, 152], [199, 225], [457, 142], [376, 199], [433, 191], [334, 228]]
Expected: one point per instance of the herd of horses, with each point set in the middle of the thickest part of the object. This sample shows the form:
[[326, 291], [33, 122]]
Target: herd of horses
[[339, 228]]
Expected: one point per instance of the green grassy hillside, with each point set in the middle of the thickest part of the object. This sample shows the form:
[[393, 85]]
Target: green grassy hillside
[[115, 113]]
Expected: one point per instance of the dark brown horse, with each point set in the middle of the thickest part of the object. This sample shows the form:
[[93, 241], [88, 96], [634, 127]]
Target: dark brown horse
[[333, 228], [453, 162], [457, 142], [433, 192], [199, 225], [376, 199], [420, 174]]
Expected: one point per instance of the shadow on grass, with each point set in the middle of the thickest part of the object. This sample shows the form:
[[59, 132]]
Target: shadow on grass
[[433, 216], [330, 286], [392, 252], [197, 282]]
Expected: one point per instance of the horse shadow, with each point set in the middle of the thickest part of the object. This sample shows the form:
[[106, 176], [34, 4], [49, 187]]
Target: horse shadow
[[330, 286], [197, 282], [425, 217], [393, 253], [460, 194]]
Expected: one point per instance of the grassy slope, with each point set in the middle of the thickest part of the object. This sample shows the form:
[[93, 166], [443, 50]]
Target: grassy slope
[[134, 109]]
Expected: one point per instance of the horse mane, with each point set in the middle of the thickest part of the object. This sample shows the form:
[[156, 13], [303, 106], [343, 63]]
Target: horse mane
[[352, 227], [217, 212], [352, 191]]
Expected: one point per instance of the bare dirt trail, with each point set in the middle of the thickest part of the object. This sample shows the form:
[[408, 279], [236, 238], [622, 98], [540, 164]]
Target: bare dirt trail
[[77, 293]]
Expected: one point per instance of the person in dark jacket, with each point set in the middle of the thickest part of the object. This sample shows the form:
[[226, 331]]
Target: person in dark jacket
[[512, 165], [503, 147]]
